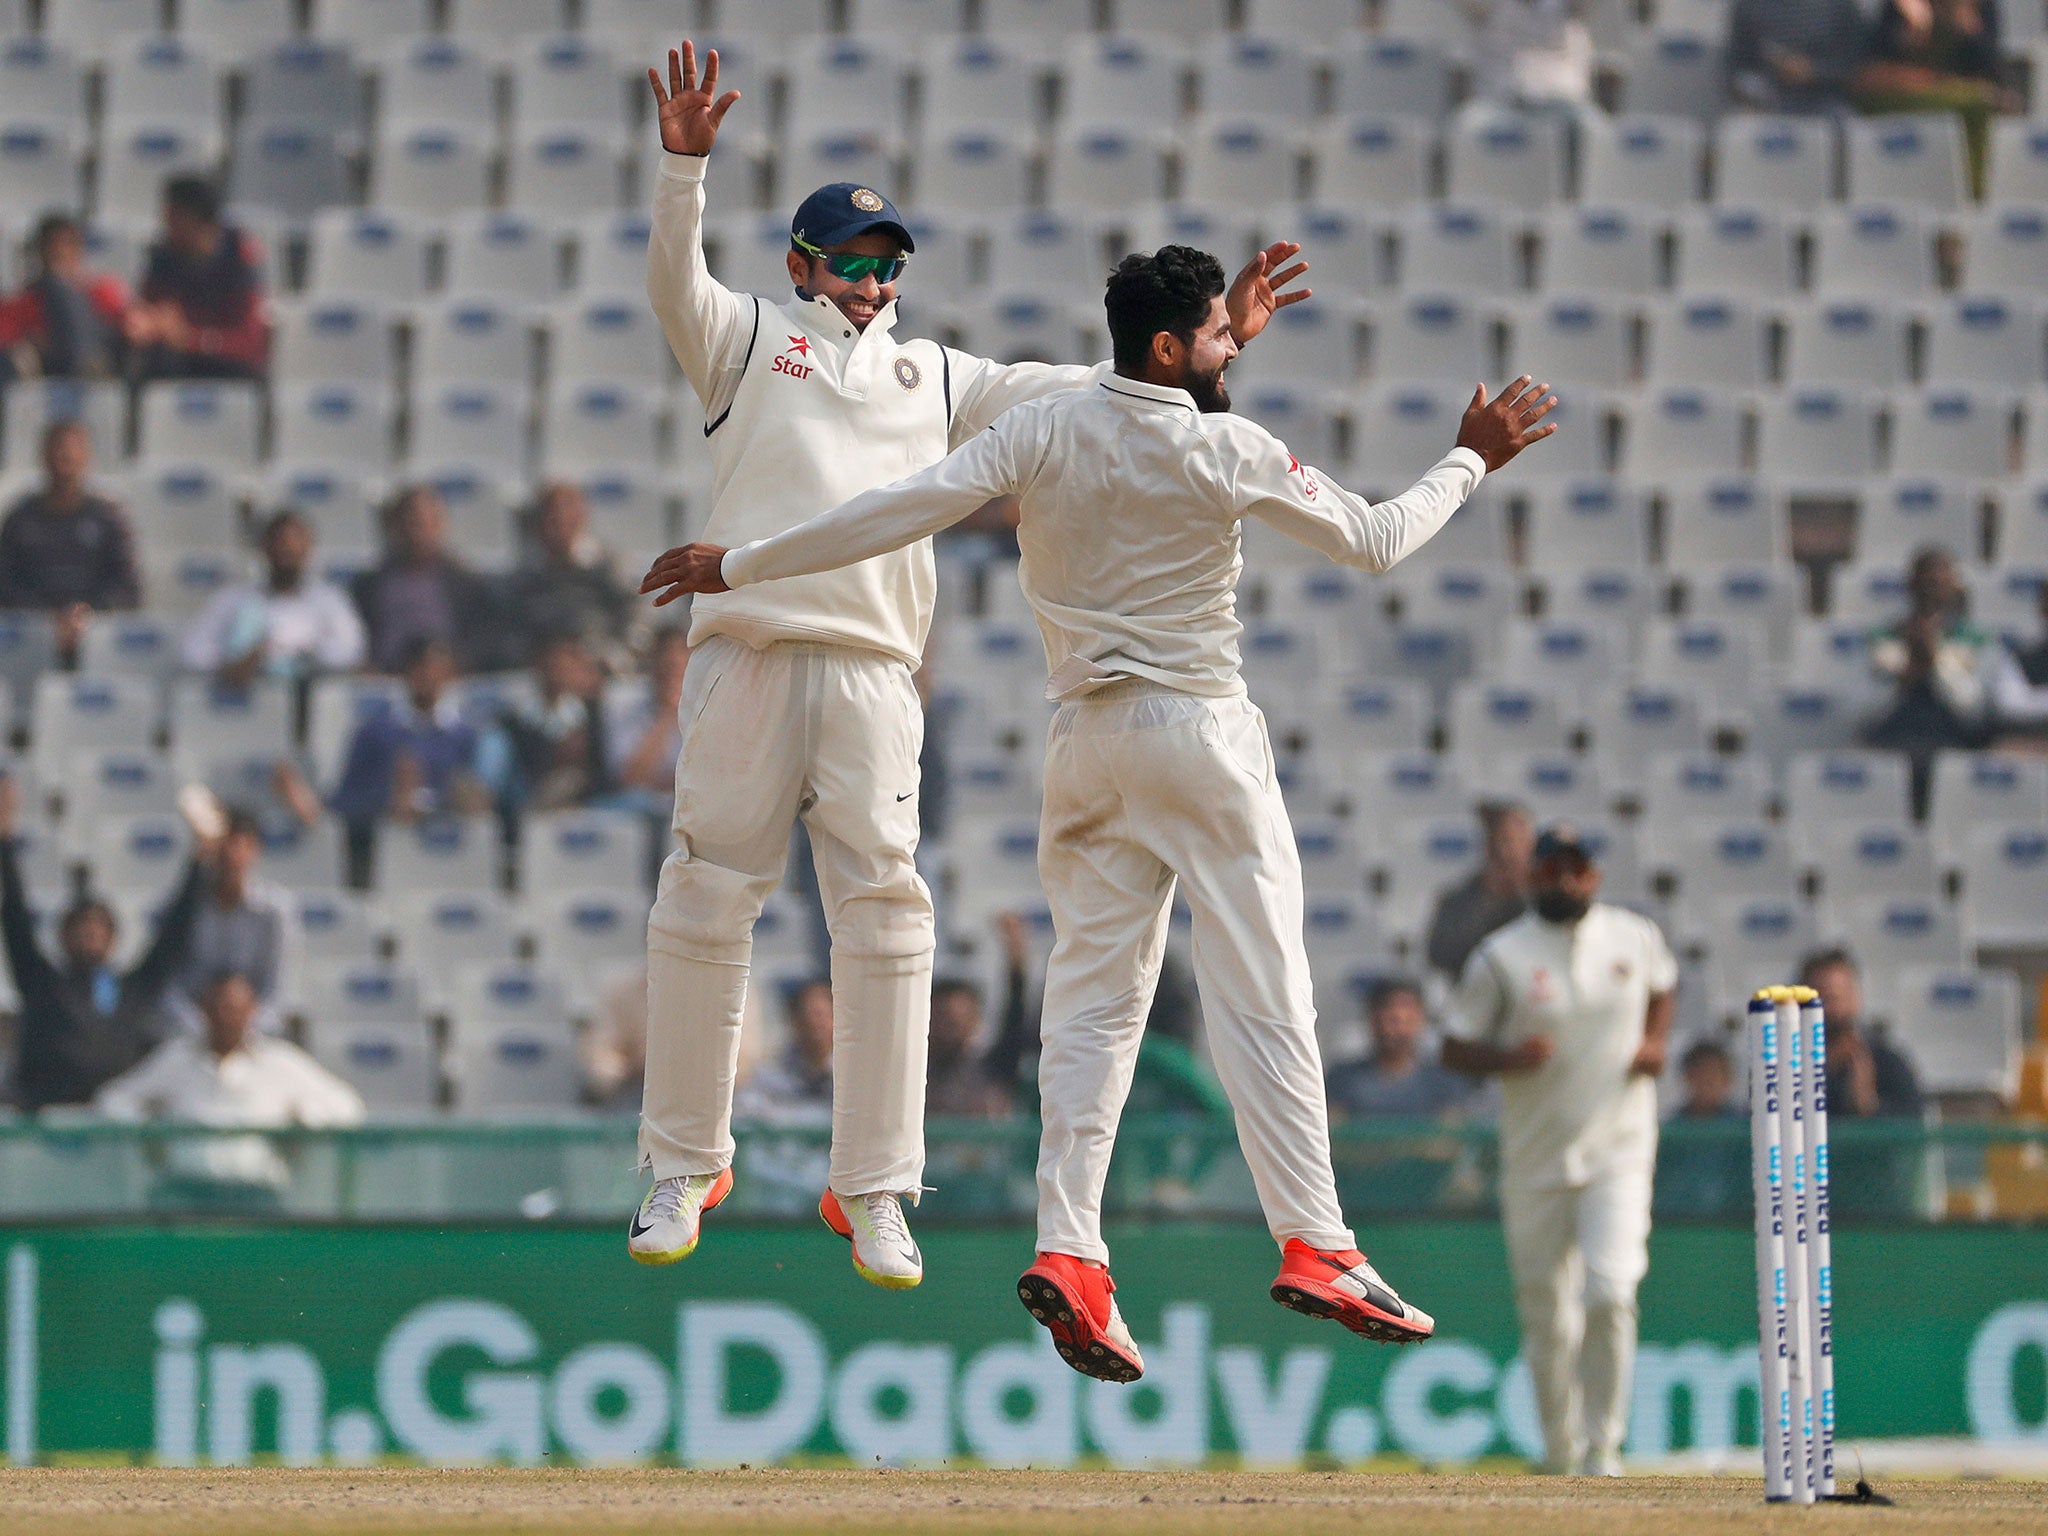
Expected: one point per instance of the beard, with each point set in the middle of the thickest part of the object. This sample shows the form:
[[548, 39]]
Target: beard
[[1211, 394], [1558, 907]]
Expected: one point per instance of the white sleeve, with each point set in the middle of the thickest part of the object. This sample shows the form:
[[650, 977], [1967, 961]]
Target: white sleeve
[[341, 643], [1479, 1004], [1311, 508], [983, 390], [890, 517], [208, 635], [707, 324], [319, 1098], [1660, 965], [2013, 698], [136, 1093]]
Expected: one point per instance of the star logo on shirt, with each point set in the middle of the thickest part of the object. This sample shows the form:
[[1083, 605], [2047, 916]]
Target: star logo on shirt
[[1308, 486], [800, 345]]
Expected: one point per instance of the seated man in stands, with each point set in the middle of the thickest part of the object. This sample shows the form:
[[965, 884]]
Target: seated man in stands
[[1939, 56], [1708, 1176], [794, 1090], [556, 741], [1494, 895], [644, 737], [420, 591], [1866, 1078], [1934, 660], [958, 1080], [64, 549], [291, 624], [1532, 55], [239, 926], [412, 762], [68, 321], [2018, 672], [229, 1075], [1397, 1078], [203, 312], [568, 586], [1794, 55], [83, 1021]]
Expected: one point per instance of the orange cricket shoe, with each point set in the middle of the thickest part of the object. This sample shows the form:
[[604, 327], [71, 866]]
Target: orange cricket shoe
[[1074, 1300], [1341, 1284]]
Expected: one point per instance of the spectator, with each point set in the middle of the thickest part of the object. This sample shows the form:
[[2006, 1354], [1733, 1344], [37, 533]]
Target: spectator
[[1532, 55], [1939, 56], [1934, 659], [645, 735], [228, 1076], [415, 761], [1704, 1174], [420, 591], [1493, 896], [570, 587], [66, 322], [957, 1078], [81, 1021], [557, 740], [1866, 1076], [291, 624], [63, 548], [240, 925], [1798, 56], [1397, 1079], [203, 313], [797, 1086], [2018, 673]]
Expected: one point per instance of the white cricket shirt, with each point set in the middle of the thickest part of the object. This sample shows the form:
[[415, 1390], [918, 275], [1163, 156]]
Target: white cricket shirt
[[1588, 986], [802, 411], [1131, 504]]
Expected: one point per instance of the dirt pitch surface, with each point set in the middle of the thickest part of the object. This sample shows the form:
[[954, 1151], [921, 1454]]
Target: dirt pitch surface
[[392, 1502]]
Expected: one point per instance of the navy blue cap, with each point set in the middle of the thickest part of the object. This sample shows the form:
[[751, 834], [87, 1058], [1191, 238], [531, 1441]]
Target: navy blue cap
[[1560, 840], [836, 214]]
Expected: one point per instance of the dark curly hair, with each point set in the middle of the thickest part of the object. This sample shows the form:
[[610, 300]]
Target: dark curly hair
[[1168, 291]]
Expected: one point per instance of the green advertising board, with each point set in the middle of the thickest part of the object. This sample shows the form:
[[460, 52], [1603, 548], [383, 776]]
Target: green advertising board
[[228, 1343]]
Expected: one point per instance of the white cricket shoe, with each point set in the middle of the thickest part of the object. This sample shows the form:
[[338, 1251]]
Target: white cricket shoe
[[883, 1252], [667, 1225], [1605, 1463]]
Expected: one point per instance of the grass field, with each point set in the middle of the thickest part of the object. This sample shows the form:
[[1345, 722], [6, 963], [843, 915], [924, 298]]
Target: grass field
[[130, 1502]]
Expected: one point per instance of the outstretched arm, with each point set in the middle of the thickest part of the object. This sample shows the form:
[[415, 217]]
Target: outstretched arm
[[890, 517], [1311, 508]]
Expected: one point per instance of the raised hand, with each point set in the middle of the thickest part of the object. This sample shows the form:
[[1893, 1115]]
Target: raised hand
[[689, 115], [686, 568], [1500, 428], [1254, 297]]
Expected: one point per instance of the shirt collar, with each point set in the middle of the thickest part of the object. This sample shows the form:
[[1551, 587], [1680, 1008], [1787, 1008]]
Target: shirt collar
[[1151, 394], [826, 321]]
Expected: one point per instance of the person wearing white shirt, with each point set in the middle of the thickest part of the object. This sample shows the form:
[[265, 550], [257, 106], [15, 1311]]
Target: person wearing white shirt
[[1571, 1006], [799, 701], [293, 624], [232, 1077], [1158, 771]]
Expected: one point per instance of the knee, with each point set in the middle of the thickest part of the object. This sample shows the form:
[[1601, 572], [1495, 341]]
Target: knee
[[704, 911], [890, 922], [1610, 1294]]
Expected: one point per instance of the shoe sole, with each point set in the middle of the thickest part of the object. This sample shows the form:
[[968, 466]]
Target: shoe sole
[[886, 1282], [1072, 1335], [1367, 1322], [677, 1255]]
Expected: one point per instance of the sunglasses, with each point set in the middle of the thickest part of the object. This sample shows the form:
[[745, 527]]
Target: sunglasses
[[851, 269]]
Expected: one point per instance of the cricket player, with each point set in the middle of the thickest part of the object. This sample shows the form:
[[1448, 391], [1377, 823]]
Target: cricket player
[[1158, 769], [1571, 1005], [799, 699]]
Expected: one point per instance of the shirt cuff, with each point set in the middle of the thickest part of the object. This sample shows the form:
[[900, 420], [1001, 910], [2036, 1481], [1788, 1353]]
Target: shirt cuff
[[1470, 459], [732, 564], [683, 167]]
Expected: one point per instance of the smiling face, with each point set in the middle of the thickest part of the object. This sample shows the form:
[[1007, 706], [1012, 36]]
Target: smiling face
[[1196, 365], [860, 302]]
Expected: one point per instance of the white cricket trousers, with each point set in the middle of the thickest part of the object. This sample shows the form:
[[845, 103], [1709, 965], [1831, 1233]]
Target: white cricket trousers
[[1145, 786], [1578, 1252], [830, 733]]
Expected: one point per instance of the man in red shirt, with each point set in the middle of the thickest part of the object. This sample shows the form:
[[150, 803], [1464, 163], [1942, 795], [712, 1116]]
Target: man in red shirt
[[204, 314], [67, 321]]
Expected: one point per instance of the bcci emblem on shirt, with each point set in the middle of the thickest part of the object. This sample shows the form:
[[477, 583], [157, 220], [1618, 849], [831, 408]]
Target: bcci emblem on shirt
[[908, 374]]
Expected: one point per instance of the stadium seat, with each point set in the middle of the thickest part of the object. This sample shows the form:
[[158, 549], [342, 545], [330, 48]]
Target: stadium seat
[[2007, 602], [1982, 338], [1708, 339], [331, 928], [839, 84], [1039, 252], [1250, 75], [434, 82], [211, 723], [1675, 71], [562, 171], [617, 340], [2019, 162], [1802, 717], [436, 932], [480, 424], [1125, 82], [1685, 431], [1011, 327], [1313, 343], [479, 510], [90, 28], [40, 165], [200, 423], [1375, 161], [1903, 930], [1573, 341], [341, 341], [1420, 857], [1718, 660], [1709, 858], [373, 993], [1388, 787], [1447, 25], [1106, 168], [41, 82], [1568, 656], [303, 85], [365, 23], [767, 20], [1960, 1028], [1884, 251], [136, 158], [1601, 250], [1367, 715], [464, 338], [2005, 250], [287, 171], [1171, 18], [1381, 72], [1651, 162], [1868, 594], [977, 85], [1697, 785], [1555, 786], [2004, 865], [1973, 789], [1620, 596], [129, 644], [431, 171], [1488, 719], [1515, 159], [1900, 515], [365, 255], [32, 406], [1240, 162], [393, 1064], [568, 81], [1856, 857], [583, 934], [1431, 337], [236, 29], [339, 425], [1632, 724], [507, 258], [1964, 433], [117, 782], [1748, 251], [445, 854], [1913, 158], [1331, 864], [1845, 786], [970, 171], [308, 860], [1301, 419], [1590, 522], [1782, 162], [160, 80], [136, 859], [497, 22], [1818, 435], [1763, 600], [188, 506], [1847, 341], [1458, 246], [1350, 247], [596, 426]]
